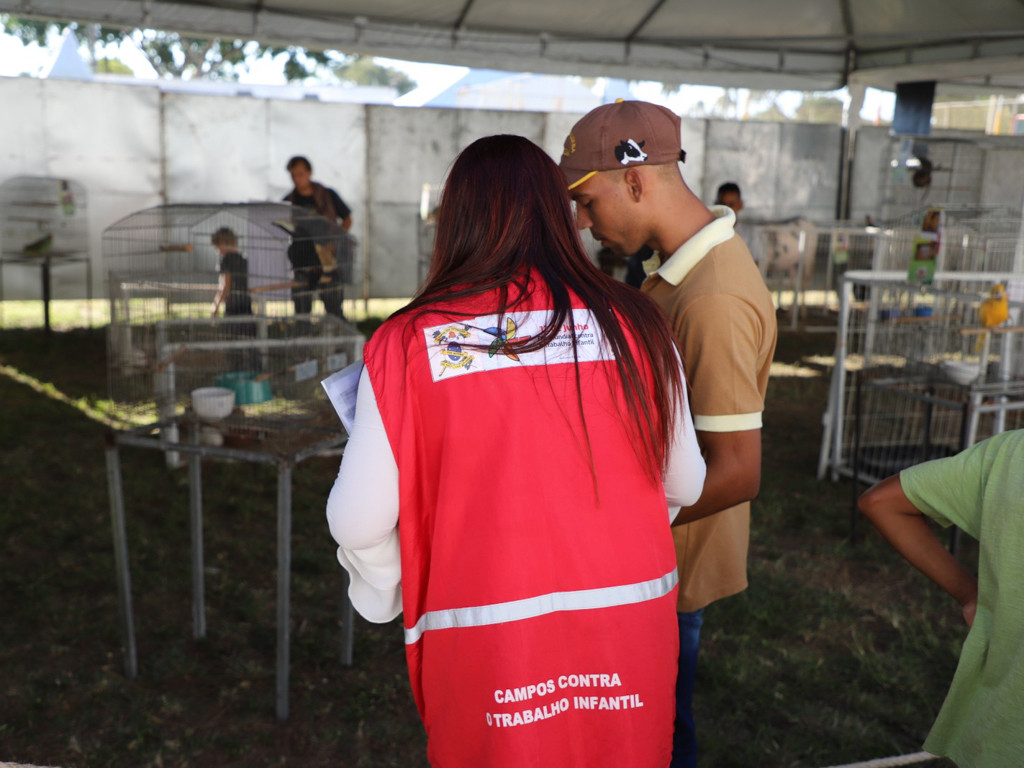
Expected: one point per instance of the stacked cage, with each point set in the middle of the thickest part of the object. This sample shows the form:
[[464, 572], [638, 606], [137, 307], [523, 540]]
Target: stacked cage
[[170, 350], [44, 222], [844, 246], [918, 373], [972, 239], [42, 215]]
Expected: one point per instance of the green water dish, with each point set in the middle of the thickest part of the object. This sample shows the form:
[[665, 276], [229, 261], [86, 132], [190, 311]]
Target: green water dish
[[247, 388]]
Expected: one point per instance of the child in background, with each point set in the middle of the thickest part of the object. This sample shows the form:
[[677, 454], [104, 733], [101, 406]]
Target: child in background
[[233, 295], [233, 289]]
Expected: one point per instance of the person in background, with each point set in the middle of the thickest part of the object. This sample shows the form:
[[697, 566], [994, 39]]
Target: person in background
[[636, 272], [729, 195], [322, 261], [981, 723], [233, 283], [233, 295], [621, 163], [521, 428]]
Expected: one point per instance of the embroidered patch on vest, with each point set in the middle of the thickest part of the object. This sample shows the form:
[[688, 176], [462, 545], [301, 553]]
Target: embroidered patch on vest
[[489, 343]]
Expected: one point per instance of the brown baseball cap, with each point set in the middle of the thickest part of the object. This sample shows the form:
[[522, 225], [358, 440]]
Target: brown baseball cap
[[618, 135]]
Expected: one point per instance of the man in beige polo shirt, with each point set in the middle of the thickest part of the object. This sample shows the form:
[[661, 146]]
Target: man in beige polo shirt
[[621, 162]]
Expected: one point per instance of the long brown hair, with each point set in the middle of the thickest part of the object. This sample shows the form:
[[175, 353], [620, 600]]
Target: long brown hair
[[504, 216]]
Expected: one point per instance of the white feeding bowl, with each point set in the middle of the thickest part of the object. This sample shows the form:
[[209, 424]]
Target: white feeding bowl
[[961, 373], [213, 403]]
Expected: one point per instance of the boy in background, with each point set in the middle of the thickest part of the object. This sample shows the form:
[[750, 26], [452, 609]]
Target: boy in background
[[233, 294], [233, 286]]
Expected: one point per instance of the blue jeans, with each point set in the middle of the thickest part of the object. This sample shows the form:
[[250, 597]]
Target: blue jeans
[[684, 742]]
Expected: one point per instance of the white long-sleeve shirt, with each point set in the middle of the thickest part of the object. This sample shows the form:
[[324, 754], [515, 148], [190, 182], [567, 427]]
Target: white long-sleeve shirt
[[362, 509]]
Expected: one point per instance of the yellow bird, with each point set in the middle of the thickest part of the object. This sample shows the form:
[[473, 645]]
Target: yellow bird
[[994, 310]]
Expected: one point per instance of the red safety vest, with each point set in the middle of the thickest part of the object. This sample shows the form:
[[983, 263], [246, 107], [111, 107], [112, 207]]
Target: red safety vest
[[539, 610]]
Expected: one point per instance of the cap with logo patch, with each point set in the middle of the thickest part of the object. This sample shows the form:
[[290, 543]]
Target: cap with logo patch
[[616, 136]]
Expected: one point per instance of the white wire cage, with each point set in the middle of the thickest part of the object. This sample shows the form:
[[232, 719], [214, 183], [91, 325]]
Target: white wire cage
[[165, 340], [972, 238], [161, 261], [44, 223], [844, 246], [899, 420], [43, 216], [916, 367]]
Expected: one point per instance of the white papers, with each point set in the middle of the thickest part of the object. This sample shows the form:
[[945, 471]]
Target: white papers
[[341, 388]]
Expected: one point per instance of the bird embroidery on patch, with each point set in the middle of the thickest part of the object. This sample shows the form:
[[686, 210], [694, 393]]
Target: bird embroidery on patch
[[504, 341]]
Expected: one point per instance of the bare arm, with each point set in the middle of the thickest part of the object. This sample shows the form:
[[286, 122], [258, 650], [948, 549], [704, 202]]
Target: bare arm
[[733, 472], [223, 288], [905, 527]]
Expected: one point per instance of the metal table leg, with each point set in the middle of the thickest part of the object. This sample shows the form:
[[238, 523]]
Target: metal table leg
[[195, 487], [124, 582], [284, 568], [45, 268]]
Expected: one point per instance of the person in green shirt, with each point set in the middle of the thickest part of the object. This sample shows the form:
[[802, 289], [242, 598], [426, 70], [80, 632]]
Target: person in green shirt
[[980, 490]]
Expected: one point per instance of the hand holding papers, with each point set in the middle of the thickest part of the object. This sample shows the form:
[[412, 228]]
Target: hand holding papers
[[341, 388]]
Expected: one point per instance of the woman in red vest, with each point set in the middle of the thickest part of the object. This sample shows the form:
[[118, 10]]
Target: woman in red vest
[[521, 432]]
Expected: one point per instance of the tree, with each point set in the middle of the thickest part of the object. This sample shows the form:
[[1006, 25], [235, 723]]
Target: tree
[[113, 67], [820, 108], [363, 71], [186, 57]]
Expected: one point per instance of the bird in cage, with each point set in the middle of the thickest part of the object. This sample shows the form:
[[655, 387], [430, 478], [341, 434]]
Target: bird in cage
[[995, 310], [39, 246]]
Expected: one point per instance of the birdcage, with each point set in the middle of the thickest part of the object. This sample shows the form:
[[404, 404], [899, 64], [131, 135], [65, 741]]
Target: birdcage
[[44, 223], [843, 246], [161, 261], [166, 341], [914, 344], [969, 238]]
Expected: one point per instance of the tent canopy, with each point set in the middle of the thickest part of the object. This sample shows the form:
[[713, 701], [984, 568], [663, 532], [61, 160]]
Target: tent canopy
[[799, 44]]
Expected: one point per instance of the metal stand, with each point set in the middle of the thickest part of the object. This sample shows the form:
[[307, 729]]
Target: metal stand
[[124, 581], [46, 263], [150, 437]]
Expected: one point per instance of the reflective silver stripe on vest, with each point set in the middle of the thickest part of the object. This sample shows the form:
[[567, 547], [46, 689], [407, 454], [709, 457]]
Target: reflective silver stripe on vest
[[531, 607]]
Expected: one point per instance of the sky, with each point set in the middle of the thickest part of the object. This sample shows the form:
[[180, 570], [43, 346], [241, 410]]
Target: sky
[[16, 59]]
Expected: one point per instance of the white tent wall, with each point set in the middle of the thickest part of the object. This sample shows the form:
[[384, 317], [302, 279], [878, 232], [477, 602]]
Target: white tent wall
[[133, 146], [215, 148], [105, 137], [406, 149], [1003, 173], [867, 181], [221, 148], [994, 171]]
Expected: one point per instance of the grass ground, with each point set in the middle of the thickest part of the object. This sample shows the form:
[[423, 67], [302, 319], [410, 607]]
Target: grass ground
[[838, 652]]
